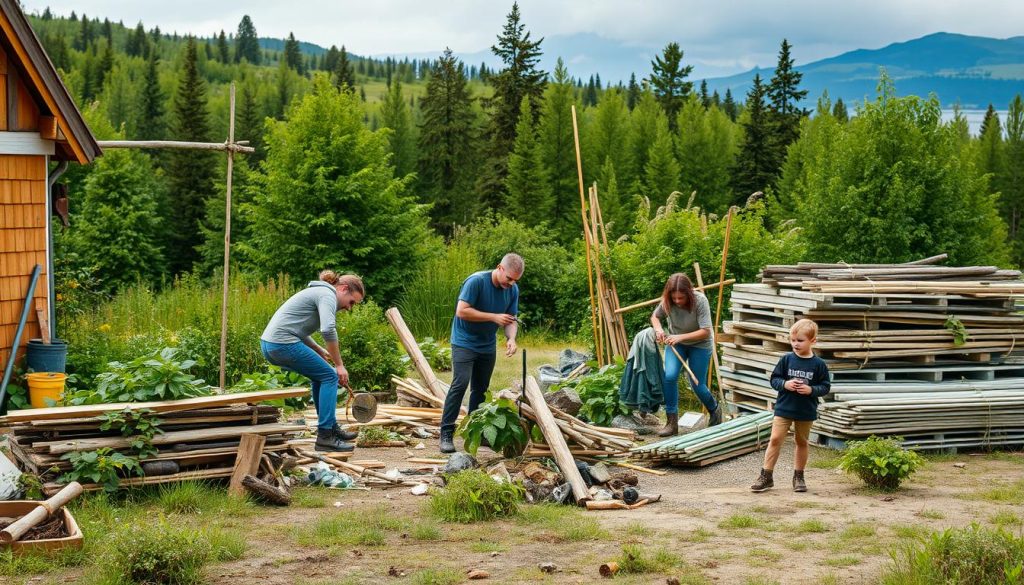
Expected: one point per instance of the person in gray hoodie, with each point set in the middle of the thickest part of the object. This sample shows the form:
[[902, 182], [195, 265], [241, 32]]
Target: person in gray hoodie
[[287, 342]]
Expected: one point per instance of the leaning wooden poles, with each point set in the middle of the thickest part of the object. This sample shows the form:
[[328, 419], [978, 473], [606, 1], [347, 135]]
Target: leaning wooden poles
[[583, 214]]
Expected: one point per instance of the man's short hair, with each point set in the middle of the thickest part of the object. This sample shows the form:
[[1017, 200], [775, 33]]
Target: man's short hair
[[805, 326], [513, 263]]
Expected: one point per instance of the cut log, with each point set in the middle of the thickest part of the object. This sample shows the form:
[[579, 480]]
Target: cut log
[[437, 387], [266, 492], [553, 436], [247, 462], [41, 513]]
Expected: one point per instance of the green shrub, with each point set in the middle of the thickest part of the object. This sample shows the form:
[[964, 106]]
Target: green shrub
[[157, 553], [880, 462], [369, 348], [600, 394], [974, 555], [159, 376], [472, 496], [428, 300], [103, 466], [498, 422], [636, 560]]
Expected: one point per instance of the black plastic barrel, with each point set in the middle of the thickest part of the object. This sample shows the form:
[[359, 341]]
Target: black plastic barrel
[[40, 357]]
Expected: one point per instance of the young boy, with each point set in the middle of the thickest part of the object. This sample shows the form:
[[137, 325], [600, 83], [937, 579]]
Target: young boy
[[800, 378]]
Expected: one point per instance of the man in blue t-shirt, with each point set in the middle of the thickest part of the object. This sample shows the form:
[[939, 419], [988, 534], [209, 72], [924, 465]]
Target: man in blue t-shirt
[[487, 300]]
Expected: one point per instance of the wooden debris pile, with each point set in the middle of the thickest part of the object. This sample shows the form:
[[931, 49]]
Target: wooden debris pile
[[928, 352], [730, 439], [199, 440], [582, 438]]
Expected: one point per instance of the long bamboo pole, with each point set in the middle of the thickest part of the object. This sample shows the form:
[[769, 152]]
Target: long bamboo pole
[[232, 147], [583, 214], [227, 241]]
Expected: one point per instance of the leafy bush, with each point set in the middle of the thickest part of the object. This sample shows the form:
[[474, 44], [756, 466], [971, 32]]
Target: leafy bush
[[975, 555], [498, 422], [103, 466], [438, 356], [369, 348], [157, 553], [141, 425], [472, 496], [880, 462], [273, 379], [428, 300], [599, 393], [159, 376]]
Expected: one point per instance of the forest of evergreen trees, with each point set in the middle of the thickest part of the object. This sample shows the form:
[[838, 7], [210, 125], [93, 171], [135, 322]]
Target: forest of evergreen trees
[[367, 164]]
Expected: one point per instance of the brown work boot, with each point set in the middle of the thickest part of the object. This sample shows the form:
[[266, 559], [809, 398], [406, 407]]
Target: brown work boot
[[671, 427], [799, 485], [764, 482]]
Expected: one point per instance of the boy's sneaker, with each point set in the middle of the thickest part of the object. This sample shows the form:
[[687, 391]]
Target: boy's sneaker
[[799, 485], [327, 441], [764, 482]]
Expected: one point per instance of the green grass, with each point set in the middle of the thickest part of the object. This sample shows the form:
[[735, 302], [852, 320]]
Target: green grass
[[196, 497], [857, 531], [638, 559], [700, 534], [910, 532], [1012, 493], [1006, 519], [486, 546], [741, 521], [226, 545], [637, 528], [811, 525], [425, 530], [473, 496], [931, 514], [763, 557], [437, 577], [355, 527], [310, 497], [843, 561], [759, 580], [557, 523]]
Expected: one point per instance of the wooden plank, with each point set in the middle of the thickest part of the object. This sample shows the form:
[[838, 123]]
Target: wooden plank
[[555, 441], [212, 434], [161, 406], [436, 386], [247, 462]]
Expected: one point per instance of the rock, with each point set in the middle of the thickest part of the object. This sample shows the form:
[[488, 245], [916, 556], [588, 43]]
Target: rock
[[600, 495], [547, 567], [584, 470], [537, 491], [599, 473], [477, 574], [960, 465], [459, 461], [623, 421], [499, 472], [419, 489], [566, 400], [562, 494], [671, 581], [494, 553], [540, 474]]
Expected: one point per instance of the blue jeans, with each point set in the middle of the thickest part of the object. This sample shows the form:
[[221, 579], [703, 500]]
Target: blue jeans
[[697, 358], [298, 357]]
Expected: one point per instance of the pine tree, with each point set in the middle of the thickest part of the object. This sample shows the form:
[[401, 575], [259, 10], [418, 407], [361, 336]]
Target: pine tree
[[247, 44], [705, 99], [527, 185], [249, 124], [729, 105], [293, 54], [118, 100], [284, 89], [191, 172], [1011, 186], [446, 145], [520, 77], [402, 140], [633, 93], [330, 62], [839, 111], [223, 50], [137, 42], [668, 81], [84, 35], [606, 134], [559, 154], [613, 212], [661, 173], [150, 124], [60, 53], [705, 148], [783, 97], [590, 96], [756, 160], [344, 77], [106, 64], [644, 123]]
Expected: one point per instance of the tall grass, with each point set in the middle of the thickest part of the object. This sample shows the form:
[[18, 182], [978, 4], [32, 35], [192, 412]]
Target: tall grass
[[974, 555], [428, 302]]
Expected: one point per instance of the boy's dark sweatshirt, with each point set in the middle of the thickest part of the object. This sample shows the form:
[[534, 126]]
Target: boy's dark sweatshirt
[[811, 370]]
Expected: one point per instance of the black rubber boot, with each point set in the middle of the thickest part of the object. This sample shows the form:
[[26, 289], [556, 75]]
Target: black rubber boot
[[447, 440], [345, 435], [799, 485], [764, 482], [329, 442]]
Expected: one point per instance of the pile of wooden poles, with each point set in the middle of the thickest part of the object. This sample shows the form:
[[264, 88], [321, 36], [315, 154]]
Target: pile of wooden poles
[[583, 439], [200, 438], [730, 439]]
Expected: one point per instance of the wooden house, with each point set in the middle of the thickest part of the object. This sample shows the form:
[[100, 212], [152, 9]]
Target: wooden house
[[41, 131]]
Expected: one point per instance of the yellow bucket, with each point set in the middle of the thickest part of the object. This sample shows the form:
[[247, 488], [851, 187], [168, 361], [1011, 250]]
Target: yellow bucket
[[45, 385]]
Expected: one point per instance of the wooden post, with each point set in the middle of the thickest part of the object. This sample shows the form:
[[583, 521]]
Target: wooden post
[[227, 241], [437, 387], [714, 345], [721, 275], [44, 321], [556, 442], [18, 529], [583, 214], [247, 462]]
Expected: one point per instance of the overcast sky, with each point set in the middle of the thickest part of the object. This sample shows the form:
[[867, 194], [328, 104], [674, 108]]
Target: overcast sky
[[719, 38]]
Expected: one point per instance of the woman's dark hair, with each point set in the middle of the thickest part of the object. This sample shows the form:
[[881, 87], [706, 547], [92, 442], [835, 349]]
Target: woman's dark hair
[[681, 283]]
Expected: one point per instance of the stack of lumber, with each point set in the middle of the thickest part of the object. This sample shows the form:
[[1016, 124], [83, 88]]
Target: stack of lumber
[[388, 415], [412, 393], [582, 438], [199, 441], [730, 439], [931, 353]]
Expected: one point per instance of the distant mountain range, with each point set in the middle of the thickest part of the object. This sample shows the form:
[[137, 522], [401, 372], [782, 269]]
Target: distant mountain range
[[972, 71]]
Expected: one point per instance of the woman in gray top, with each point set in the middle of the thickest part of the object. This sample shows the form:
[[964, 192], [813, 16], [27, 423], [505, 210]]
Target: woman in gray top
[[689, 332], [287, 342]]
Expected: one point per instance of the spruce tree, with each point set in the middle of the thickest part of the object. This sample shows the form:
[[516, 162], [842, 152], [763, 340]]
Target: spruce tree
[[223, 50], [284, 89], [106, 64], [729, 105], [402, 140], [705, 148], [559, 154], [705, 99], [330, 61], [150, 124], [447, 146], [607, 136], [668, 81], [344, 77], [756, 161], [1011, 186], [590, 96], [839, 111], [292, 54], [633, 93], [783, 97], [644, 123], [249, 124], [519, 77], [191, 173], [137, 42], [661, 173], [247, 44], [527, 185], [84, 35]]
